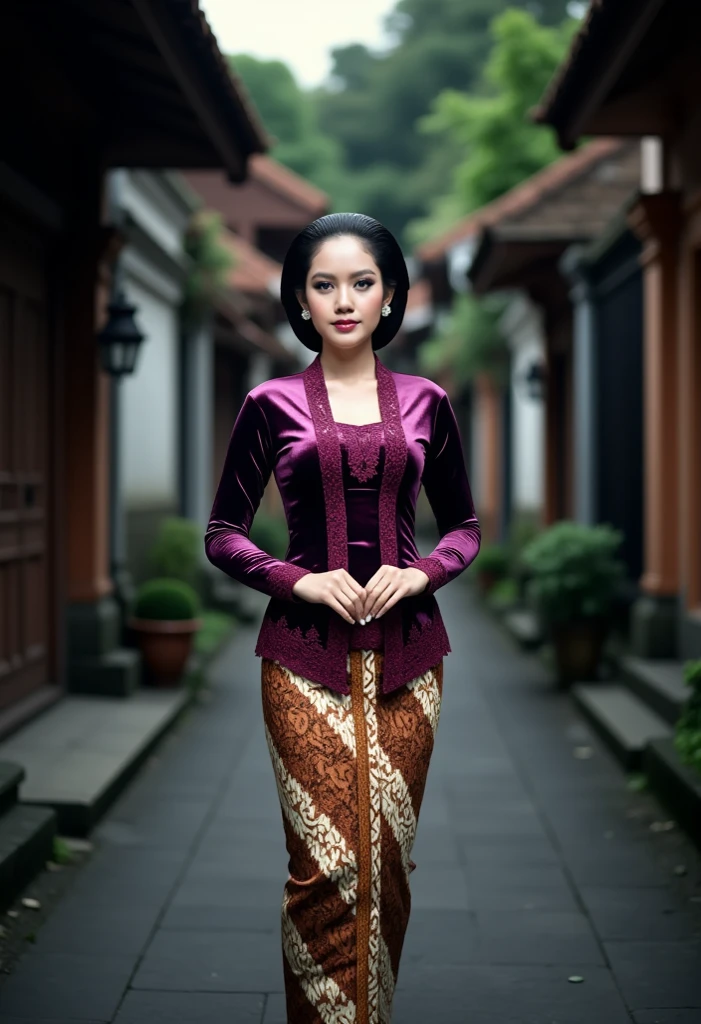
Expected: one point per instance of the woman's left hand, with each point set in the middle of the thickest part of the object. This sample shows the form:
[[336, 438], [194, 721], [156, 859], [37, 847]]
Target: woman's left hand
[[389, 585]]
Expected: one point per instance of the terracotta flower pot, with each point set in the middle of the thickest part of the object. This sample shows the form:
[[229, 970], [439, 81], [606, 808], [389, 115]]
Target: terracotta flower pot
[[578, 645], [166, 646]]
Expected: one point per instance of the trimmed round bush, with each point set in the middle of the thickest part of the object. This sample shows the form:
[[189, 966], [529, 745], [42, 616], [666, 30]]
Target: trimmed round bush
[[575, 571], [166, 599], [176, 552]]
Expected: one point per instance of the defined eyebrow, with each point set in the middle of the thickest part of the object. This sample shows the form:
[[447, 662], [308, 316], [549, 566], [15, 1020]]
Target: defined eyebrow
[[358, 273]]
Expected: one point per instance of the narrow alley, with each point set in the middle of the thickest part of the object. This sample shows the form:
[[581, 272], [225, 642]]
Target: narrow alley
[[541, 894]]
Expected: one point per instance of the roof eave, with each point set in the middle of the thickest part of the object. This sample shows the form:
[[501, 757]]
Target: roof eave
[[496, 271], [225, 113], [599, 53]]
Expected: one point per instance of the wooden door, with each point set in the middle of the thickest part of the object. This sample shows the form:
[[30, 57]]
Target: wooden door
[[25, 579]]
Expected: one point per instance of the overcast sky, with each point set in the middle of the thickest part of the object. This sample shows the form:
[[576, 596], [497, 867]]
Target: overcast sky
[[302, 34]]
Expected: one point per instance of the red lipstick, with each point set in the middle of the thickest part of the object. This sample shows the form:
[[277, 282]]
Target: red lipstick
[[345, 326]]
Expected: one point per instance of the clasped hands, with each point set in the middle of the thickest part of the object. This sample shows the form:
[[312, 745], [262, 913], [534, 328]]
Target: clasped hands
[[354, 603]]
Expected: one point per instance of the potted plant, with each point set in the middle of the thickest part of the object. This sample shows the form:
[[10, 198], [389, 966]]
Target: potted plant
[[574, 581], [491, 565], [177, 550], [165, 619]]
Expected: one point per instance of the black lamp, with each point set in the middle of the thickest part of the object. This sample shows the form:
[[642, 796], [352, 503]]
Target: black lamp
[[533, 380], [120, 338]]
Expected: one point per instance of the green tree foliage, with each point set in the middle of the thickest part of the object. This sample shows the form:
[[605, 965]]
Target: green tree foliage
[[377, 101], [501, 146], [290, 117], [364, 137], [469, 342], [209, 265]]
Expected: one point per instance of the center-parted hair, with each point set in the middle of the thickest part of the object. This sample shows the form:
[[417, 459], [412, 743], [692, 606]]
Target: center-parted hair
[[382, 246]]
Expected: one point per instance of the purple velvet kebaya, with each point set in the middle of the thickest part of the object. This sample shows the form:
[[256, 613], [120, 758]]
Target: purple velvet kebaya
[[286, 427]]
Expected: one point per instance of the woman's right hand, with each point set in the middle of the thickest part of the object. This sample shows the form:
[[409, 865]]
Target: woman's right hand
[[336, 588]]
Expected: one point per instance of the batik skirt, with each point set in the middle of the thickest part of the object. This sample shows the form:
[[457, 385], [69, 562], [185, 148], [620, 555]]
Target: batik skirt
[[350, 771]]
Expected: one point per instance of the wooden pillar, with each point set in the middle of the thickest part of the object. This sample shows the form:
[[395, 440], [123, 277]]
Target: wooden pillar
[[86, 458], [95, 663], [656, 219]]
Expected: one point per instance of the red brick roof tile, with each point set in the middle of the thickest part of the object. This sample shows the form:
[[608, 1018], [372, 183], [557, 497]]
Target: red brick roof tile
[[518, 199]]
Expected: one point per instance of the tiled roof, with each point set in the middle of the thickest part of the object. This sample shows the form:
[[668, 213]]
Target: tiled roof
[[269, 172], [253, 271], [611, 29], [193, 23], [522, 197], [248, 334], [578, 210]]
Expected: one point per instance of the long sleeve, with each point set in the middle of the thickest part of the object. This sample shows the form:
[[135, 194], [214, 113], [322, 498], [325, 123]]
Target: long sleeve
[[247, 468], [448, 491]]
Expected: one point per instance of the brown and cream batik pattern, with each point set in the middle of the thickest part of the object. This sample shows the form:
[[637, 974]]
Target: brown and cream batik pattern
[[351, 771]]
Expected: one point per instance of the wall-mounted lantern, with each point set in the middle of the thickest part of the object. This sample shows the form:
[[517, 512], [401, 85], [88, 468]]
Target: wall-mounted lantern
[[120, 339], [533, 381]]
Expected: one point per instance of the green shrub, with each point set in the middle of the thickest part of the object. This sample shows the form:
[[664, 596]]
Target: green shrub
[[216, 627], [574, 571], [524, 528], [687, 739], [166, 599], [503, 594], [177, 551], [504, 591], [493, 558], [270, 533]]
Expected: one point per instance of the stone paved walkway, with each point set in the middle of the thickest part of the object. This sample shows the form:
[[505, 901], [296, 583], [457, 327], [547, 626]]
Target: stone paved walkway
[[534, 865]]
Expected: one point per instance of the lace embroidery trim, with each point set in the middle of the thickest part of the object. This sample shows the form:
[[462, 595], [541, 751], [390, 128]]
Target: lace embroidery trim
[[331, 466], [330, 459], [393, 471], [304, 653], [283, 578], [363, 443], [434, 569], [424, 648]]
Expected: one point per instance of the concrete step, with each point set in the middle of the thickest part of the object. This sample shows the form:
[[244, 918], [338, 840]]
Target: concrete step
[[11, 775], [659, 683], [524, 627], [26, 843], [80, 753], [622, 720], [677, 784]]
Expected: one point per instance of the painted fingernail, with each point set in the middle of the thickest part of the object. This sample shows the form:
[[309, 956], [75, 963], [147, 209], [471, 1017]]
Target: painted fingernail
[[367, 619], [362, 622]]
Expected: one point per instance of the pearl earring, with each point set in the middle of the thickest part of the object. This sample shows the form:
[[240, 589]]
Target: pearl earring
[[386, 310], [306, 315]]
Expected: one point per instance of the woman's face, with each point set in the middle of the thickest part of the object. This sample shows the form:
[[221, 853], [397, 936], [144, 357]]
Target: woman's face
[[344, 292]]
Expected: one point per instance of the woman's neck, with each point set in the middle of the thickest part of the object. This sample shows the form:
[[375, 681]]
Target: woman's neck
[[349, 367]]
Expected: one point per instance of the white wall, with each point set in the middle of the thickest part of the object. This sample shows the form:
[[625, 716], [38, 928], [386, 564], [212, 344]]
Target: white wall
[[523, 328], [149, 406], [154, 209]]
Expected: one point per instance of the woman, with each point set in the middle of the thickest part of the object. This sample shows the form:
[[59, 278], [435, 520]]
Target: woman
[[352, 641]]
